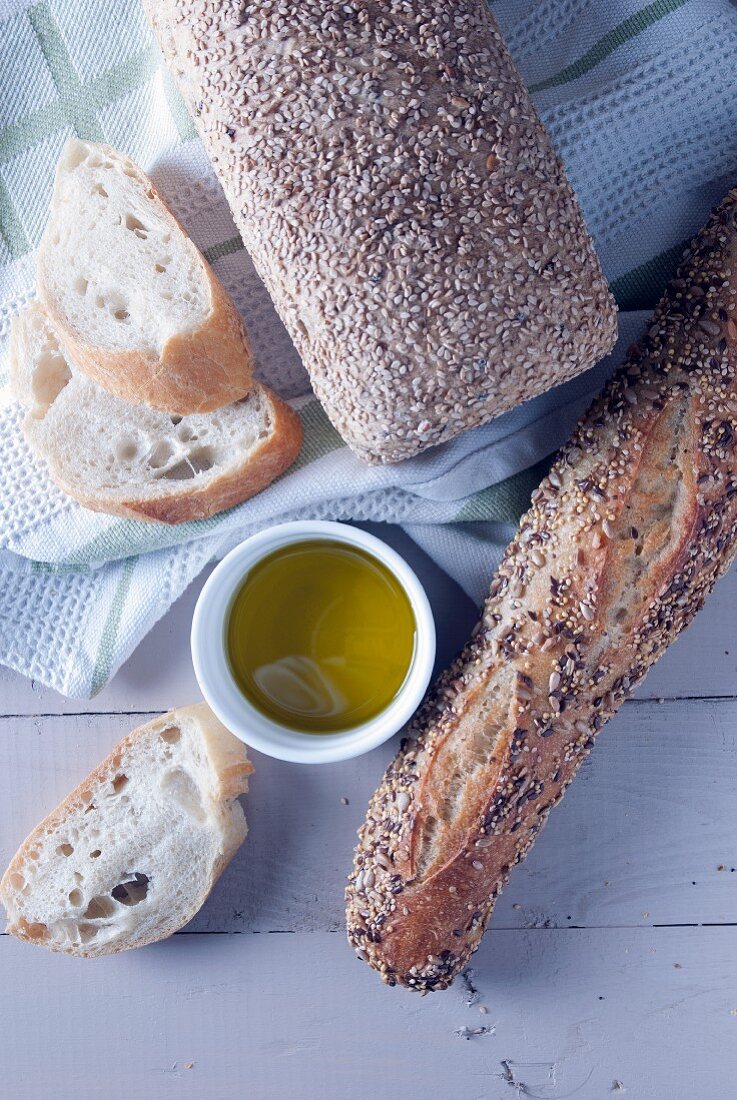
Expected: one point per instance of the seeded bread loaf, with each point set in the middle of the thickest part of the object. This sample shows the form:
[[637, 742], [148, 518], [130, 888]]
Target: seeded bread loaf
[[130, 460], [134, 301], [401, 200], [624, 539], [132, 853]]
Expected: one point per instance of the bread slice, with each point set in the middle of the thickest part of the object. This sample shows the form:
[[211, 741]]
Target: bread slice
[[131, 460], [130, 855], [133, 299]]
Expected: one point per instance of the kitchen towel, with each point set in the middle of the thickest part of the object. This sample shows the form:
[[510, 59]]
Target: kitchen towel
[[640, 102]]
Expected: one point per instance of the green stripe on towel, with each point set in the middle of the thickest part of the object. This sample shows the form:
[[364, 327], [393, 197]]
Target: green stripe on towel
[[629, 28], [642, 287], [225, 248], [507, 501], [184, 124], [96, 95], [109, 636], [79, 110], [321, 437], [11, 229]]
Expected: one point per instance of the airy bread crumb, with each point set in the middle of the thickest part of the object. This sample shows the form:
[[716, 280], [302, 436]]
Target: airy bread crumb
[[131, 854], [131, 460], [133, 299]]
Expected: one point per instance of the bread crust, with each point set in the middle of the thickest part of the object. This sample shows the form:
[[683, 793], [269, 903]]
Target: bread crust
[[196, 371], [258, 469], [624, 540], [228, 757], [403, 206], [181, 501]]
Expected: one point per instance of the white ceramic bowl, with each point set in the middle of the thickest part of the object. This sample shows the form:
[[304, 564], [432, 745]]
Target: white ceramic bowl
[[212, 668]]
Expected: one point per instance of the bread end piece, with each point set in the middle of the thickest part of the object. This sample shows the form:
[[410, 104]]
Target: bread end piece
[[131, 854]]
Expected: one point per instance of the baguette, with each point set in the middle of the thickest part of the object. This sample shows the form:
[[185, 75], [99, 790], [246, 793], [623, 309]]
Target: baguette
[[132, 461], [130, 856], [624, 540], [402, 203], [134, 301]]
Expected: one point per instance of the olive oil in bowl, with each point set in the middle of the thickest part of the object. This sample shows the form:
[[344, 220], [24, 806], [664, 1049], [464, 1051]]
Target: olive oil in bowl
[[321, 636]]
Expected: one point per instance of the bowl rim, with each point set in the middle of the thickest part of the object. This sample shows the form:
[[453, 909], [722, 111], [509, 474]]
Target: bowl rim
[[234, 709]]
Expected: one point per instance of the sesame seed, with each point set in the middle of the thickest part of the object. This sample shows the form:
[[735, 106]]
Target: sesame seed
[[682, 368], [360, 169]]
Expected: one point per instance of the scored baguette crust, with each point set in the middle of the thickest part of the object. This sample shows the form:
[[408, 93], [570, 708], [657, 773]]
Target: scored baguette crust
[[196, 370], [230, 768], [624, 540], [402, 203]]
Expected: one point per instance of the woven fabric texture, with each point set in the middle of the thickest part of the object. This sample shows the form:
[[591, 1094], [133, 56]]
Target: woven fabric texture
[[640, 102]]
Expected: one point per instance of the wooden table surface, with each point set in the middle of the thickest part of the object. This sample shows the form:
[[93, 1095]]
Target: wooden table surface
[[610, 967]]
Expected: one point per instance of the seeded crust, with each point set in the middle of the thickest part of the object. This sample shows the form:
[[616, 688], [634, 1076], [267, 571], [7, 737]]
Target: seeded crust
[[624, 540], [402, 203]]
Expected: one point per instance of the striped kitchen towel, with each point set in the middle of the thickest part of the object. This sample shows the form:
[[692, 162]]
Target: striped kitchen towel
[[640, 102]]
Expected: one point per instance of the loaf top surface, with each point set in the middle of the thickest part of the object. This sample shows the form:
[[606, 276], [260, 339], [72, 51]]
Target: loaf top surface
[[402, 202], [624, 539]]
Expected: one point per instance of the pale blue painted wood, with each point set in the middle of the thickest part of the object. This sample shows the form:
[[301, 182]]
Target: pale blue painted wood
[[296, 1017], [584, 986]]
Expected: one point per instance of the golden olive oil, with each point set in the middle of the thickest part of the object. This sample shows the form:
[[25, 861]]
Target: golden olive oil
[[321, 636]]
